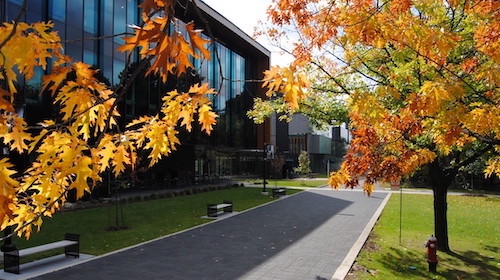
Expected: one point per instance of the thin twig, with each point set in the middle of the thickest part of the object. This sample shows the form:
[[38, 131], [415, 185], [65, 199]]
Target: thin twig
[[16, 23]]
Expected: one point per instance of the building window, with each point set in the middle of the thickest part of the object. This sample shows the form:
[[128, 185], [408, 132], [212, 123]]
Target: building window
[[74, 29], [119, 21], [13, 9], [132, 14], [238, 74], [58, 10], [90, 17]]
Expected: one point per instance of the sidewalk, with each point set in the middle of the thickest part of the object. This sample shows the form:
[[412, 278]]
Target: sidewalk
[[315, 234]]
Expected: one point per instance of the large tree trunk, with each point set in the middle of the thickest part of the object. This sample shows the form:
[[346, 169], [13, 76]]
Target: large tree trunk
[[440, 181], [441, 218]]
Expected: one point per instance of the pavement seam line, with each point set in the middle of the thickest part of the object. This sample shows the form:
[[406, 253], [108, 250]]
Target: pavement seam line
[[348, 261]]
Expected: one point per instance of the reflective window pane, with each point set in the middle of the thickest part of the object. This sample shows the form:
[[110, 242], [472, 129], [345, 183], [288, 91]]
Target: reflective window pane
[[90, 17], [119, 21], [13, 9]]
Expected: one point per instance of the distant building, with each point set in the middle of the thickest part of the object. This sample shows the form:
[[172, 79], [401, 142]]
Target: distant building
[[325, 147], [236, 143]]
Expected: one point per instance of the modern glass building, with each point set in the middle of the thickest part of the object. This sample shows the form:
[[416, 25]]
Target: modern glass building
[[89, 29]]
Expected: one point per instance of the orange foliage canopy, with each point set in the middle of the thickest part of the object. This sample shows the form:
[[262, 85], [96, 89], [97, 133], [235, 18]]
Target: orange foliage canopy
[[72, 151], [423, 79]]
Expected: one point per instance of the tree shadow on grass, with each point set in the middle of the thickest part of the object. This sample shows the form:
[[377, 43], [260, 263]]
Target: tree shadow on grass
[[493, 249], [452, 265], [485, 267], [403, 262]]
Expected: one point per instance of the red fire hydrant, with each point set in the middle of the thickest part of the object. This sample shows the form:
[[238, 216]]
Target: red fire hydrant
[[431, 245]]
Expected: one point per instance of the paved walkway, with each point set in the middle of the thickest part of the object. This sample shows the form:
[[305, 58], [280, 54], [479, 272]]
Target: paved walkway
[[311, 235]]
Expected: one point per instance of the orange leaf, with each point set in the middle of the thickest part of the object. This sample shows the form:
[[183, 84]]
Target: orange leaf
[[55, 78], [197, 41], [5, 104], [7, 187]]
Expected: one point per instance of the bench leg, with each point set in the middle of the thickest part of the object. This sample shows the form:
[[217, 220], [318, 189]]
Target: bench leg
[[72, 250], [211, 210], [275, 192], [228, 209], [11, 262]]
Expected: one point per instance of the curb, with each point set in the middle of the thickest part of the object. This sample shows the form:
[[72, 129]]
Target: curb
[[348, 261]]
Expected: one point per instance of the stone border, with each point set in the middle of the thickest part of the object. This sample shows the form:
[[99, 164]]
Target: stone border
[[348, 261]]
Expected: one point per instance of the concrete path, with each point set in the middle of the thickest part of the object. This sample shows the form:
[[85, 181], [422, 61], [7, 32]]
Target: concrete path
[[314, 234]]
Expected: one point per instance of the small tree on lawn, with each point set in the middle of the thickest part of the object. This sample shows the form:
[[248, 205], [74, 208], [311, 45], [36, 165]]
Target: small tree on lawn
[[277, 163], [304, 164]]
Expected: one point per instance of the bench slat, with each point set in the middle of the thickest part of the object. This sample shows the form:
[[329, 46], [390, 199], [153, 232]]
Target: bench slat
[[46, 247], [226, 206], [219, 206]]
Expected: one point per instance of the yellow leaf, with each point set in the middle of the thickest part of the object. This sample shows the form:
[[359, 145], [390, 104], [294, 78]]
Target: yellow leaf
[[17, 137], [186, 115], [287, 81], [492, 167], [83, 73], [120, 159], [7, 184], [37, 139], [105, 151], [81, 177], [338, 178], [55, 78], [140, 120], [207, 118]]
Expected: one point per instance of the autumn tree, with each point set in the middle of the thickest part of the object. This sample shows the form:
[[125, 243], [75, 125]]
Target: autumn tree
[[72, 150], [422, 80], [325, 105]]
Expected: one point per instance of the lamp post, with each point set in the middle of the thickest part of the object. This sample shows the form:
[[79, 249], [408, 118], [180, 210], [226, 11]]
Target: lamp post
[[264, 160], [264, 155]]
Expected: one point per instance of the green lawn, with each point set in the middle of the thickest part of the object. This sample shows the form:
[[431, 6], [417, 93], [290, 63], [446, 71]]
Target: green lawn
[[145, 220], [306, 183], [474, 236]]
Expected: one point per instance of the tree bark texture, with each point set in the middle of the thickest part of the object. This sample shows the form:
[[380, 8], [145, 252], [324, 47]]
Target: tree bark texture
[[440, 183]]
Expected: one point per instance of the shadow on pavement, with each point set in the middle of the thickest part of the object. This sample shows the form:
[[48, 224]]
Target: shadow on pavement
[[225, 249]]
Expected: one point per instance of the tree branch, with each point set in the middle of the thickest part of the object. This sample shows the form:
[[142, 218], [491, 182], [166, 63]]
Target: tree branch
[[491, 141], [16, 23], [475, 156]]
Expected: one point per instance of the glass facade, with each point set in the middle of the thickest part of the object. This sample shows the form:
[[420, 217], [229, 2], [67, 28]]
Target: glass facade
[[92, 19], [92, 31], [80, 22]]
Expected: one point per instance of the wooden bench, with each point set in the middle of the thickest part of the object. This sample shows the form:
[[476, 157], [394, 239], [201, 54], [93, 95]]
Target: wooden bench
[[277, 192], [213, 209], [71, 245]]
